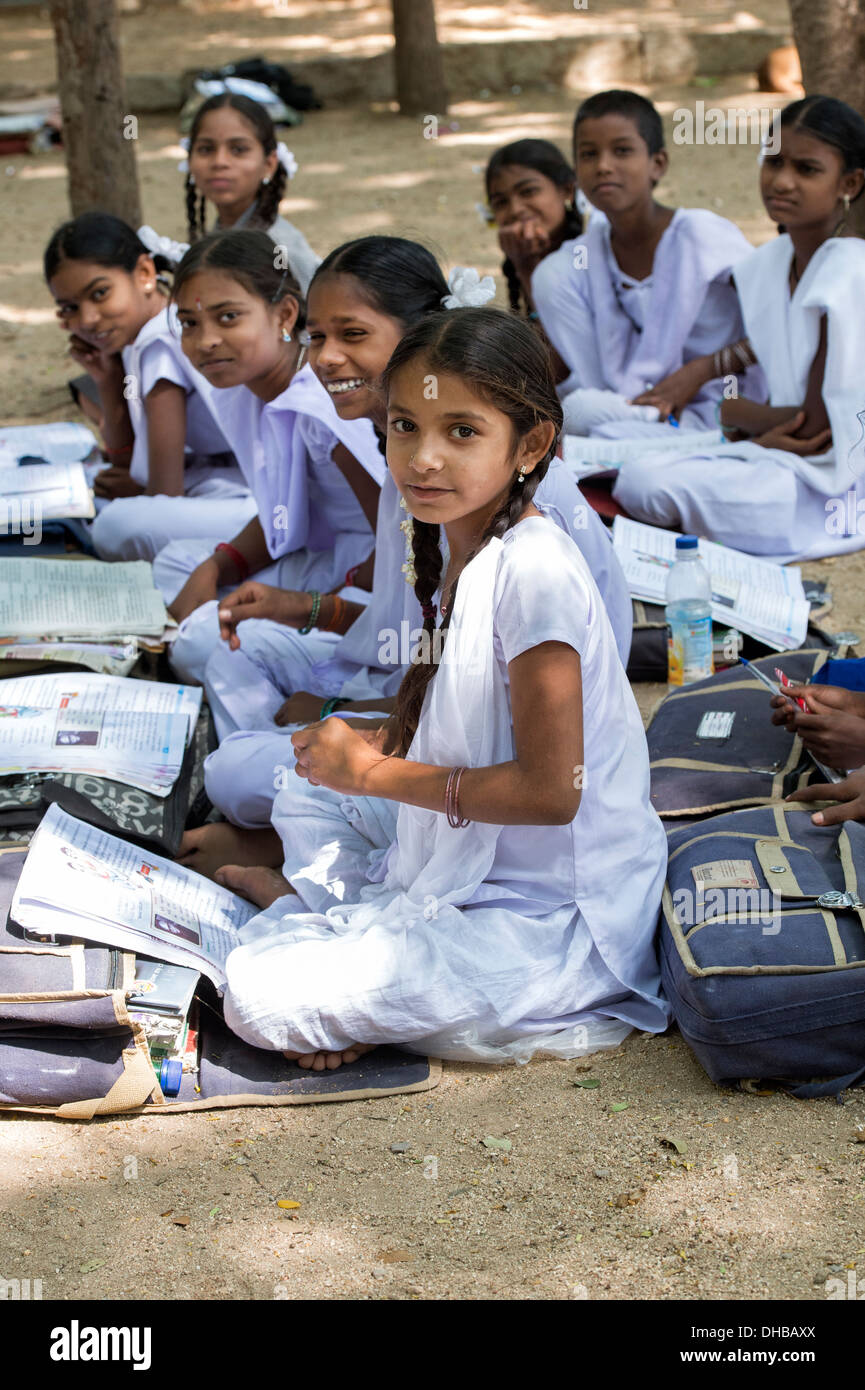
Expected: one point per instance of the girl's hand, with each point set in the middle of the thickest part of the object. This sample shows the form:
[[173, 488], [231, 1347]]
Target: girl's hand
[[820, 699], [784, 437], [116, 482], [525, 244], [290, 607], [849, 794], [671, 395], [300, 708], [330, 754], [201, 586], [104, 367]]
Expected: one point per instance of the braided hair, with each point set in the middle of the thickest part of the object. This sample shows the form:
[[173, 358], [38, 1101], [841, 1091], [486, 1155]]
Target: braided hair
[[546, 159], [266, 208], [509, 365]]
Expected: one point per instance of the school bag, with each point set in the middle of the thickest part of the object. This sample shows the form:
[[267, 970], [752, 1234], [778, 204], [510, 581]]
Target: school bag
[[713, 747], [762, 946], [70, 1048]]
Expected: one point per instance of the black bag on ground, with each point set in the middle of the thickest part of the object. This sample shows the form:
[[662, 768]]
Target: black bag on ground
[[762, 946], [713, 747]]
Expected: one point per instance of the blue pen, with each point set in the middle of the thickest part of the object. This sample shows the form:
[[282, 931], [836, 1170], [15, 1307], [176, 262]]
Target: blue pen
[[671, 420]]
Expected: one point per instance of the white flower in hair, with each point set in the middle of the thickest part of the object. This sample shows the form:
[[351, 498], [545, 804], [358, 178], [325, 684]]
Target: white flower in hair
[[183, 166], [286, 159], [467, 289], [173, 251]]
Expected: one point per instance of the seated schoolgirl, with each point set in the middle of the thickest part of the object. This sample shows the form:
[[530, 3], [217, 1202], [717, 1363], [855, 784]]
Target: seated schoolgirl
[[647, 289], [491, 888], [790, 482], [530, 189], [314, 478], [362, 300], [236, 163], [171, 470]]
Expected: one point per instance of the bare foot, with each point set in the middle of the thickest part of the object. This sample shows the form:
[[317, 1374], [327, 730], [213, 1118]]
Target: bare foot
[[259, 884], [210, 846], [329, 1061]]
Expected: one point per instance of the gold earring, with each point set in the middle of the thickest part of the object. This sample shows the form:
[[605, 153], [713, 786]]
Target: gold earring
[[521, 476], [846, 203]]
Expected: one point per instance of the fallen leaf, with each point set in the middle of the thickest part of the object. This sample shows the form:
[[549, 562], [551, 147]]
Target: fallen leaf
[[393, 1257], [180, 1221], [286, 1205], [859, 1136], [490, 1142], [617, 1106], [630, 1199], [588, 1083], [88, 1265], [167, 1213], [214, 1210], [677, 1144]]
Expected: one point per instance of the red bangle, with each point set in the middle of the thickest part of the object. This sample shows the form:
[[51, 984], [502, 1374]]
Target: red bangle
[[452, 799], [117, 453], [351, 576], [240, 562]]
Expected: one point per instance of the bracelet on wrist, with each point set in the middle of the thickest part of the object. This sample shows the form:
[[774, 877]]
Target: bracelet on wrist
[[351, 576], [337, 616], [452, 799], [240, 562], [314, 612], [125, 451], [329, 706]]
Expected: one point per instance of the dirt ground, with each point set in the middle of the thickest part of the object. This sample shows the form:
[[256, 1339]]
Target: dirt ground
[[764, 1197]]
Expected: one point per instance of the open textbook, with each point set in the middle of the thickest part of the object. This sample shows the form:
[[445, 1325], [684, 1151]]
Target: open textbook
[[115, 658], [63, 441], [134, 732], [78, 881], [35, 492], [763, 599], [79, 599], [587, 457]]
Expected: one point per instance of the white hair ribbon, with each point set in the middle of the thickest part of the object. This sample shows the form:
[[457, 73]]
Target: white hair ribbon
[[173, 251], [467, 289]]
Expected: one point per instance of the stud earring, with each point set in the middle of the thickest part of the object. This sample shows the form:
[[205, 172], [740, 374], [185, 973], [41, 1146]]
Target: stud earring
[[286, 336], [265, 182], [846, 203]]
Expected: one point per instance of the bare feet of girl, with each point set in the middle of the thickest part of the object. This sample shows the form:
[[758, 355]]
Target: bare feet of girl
[[210, 846], [329, 1061], [260, 884]]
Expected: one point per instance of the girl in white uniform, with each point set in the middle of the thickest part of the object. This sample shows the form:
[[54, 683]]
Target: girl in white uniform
[[644, 291], [361, 301], [792, 487], [315, 480], [171, 471], [497, 880], [236, 163]]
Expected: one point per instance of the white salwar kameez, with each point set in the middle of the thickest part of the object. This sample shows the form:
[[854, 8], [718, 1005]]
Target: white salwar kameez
[[464, 943], [245, 688], [769, 501], [215, 495], [313, 524], [619, 336]]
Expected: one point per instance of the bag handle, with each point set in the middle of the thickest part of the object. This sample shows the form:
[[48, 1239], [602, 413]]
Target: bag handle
[[132, 1089]]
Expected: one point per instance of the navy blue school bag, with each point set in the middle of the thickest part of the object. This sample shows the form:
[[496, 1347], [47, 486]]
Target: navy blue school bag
[[762, 946]]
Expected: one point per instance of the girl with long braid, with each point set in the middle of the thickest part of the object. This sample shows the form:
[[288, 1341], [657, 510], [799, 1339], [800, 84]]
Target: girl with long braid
[[485, 883], [236, 163]]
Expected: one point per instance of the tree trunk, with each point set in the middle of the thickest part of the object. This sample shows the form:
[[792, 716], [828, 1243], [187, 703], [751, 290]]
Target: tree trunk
[[420, 80], [99, 133], [830, 37]]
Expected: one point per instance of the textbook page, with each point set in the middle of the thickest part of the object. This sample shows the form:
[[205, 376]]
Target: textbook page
[[142, 749], [62, 441], [90, 691], [78, 598], [755, 596], [111, 658], [586, 457], [42, 492], [79, 881]]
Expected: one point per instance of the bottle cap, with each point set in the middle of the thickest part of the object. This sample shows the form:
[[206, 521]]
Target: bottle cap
[[686, 542], [171, 1076]]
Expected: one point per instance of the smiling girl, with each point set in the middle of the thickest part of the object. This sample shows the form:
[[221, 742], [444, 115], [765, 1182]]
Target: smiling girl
[[784, 489], [456, 897], [236, 163], [362, 300], [170, 470], [314, 479], [648, 287]]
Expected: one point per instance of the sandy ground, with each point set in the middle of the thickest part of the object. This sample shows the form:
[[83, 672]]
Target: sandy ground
[[764, 1198]]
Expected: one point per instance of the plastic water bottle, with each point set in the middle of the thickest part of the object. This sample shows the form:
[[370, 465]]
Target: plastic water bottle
[[689, 616]]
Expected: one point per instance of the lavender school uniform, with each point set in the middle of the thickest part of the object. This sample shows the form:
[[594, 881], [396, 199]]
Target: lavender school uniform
[[246, 688], [470, 942], [769, 501], [314, 527], [618, 335], [216, 494]]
